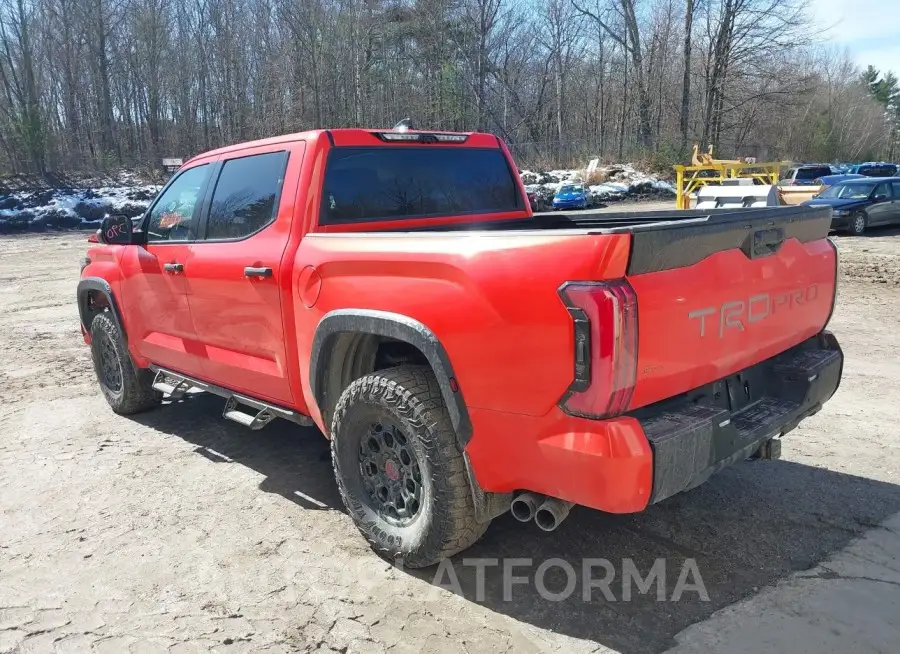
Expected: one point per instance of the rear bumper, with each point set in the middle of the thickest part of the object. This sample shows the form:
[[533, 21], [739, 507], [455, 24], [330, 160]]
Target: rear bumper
[[691, 439], [569, 204], [624, 464]]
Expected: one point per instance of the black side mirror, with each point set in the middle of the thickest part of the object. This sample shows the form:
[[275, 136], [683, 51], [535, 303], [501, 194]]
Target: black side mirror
[[116, 230], [880, 197]]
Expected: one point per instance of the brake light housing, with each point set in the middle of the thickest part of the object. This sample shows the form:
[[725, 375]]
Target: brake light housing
[[421, 137], [605, 323]]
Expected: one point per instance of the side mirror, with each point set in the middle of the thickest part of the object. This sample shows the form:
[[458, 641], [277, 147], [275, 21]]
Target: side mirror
[[880, 197], [116, 230]]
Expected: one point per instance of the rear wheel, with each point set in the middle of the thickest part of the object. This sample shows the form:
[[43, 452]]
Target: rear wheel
[[398, 468], [127, 388], [858, 223]]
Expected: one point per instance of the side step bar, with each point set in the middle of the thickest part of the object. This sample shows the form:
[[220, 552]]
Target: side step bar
[[174, 385]]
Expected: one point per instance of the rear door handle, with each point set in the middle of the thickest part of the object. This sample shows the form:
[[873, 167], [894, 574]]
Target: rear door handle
[[173, 267], [250, 271]]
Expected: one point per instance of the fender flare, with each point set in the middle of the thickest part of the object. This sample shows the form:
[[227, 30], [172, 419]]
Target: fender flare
[[98, 285], [401, 328]]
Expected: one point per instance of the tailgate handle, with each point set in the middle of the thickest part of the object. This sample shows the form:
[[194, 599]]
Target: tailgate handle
[[766, 242]]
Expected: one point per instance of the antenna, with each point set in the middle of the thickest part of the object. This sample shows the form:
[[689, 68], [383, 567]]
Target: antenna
[[404, 125]]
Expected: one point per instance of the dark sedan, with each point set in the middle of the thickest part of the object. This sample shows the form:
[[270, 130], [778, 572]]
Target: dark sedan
[[861, 203]]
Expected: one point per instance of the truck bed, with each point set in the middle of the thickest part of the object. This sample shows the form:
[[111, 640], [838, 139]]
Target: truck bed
[[671, 239]]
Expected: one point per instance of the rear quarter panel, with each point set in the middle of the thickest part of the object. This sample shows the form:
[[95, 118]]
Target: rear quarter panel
[[491, 299]]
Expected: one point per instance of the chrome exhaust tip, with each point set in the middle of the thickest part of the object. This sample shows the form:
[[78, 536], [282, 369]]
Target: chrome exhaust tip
[[524, 506], [550, 514]]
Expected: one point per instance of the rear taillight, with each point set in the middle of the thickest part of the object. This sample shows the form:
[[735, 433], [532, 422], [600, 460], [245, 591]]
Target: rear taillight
[[604, 315]]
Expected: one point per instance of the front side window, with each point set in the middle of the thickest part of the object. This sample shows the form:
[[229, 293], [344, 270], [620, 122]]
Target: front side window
[[391, 183], [172, 216], [246, 195]]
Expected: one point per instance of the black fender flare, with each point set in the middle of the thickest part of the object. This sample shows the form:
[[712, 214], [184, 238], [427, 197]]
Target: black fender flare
[[90, 285], [401, 328]]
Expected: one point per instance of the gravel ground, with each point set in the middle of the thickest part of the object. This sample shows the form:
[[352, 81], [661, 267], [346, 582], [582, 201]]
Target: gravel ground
[[178, 531]]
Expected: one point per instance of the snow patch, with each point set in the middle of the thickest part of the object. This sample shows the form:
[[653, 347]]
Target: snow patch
[[71, 208], [622, 181]]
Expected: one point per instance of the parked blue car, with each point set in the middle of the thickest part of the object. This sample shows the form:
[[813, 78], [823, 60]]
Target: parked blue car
[[875, 169], [571, 196]]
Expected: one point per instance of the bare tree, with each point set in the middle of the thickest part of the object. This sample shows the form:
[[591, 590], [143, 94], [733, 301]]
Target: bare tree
[[97, 84]]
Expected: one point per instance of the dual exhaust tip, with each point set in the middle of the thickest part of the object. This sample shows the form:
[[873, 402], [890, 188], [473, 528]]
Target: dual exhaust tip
[[547, 512]]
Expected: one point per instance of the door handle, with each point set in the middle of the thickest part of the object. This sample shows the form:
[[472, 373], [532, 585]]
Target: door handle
[[250, 271], [173, 267]]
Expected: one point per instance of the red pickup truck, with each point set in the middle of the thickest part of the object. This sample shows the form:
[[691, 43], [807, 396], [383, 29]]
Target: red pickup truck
[[464, 356]]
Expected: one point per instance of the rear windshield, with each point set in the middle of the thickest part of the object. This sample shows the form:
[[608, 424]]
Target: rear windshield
[[386, 183], [812, 172], [878, 171]]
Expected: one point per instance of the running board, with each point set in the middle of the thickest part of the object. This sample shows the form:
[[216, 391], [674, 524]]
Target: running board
[[262, 418], [173, 391], [174, 385]]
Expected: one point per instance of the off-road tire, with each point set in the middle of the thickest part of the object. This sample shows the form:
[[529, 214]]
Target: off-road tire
[[857, 227], [410, 398], [135, 393]]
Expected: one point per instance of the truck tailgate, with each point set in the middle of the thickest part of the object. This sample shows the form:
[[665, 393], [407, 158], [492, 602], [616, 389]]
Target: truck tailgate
[[717, 295]]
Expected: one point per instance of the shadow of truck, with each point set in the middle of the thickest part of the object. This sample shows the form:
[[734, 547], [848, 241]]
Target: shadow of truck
[[750, 526]]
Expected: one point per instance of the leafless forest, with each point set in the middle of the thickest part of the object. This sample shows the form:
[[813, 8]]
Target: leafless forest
[[101, 84]]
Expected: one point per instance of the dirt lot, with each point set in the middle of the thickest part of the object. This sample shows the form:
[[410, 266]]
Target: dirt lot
[[177, 531]]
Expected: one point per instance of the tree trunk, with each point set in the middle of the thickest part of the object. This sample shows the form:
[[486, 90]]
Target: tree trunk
[[684, 115]]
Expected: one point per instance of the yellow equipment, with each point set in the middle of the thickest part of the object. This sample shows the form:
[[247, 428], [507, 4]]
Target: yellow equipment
[[708, 171]]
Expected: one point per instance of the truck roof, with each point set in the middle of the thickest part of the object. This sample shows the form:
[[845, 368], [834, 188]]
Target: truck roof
[[346, 135]]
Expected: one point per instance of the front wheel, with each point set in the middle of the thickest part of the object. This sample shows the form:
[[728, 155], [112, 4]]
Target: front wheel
[[858, 224], [398, 468], [127, 388]]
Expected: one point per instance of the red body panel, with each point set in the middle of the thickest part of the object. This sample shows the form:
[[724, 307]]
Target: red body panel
[[239, 321], [155, 302], [770, 305], [603, 464], [490, 298], [491, 301]]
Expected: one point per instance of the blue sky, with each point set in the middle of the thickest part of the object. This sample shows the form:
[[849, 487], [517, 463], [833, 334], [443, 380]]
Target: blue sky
[[868, 29]]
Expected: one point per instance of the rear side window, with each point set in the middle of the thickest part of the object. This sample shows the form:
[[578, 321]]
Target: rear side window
[[246, 195], [385, 183]]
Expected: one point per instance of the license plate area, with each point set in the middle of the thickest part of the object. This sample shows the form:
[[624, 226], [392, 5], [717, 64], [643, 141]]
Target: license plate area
[[743, 389]]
